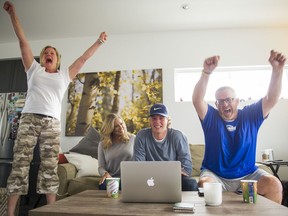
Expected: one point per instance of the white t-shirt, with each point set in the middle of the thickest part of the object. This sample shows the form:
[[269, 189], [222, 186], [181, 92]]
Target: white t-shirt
[[45, 90]]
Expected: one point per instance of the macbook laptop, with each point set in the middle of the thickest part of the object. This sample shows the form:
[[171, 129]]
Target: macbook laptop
[[151, 181]]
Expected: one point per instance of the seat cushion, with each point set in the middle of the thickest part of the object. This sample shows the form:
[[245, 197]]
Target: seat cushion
[[77, 185]]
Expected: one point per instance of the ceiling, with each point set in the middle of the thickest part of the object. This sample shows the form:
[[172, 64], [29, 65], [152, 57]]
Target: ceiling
[[54, 19]]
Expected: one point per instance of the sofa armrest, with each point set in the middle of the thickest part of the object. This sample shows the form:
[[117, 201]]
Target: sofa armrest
[[66, 172], [265, 168]]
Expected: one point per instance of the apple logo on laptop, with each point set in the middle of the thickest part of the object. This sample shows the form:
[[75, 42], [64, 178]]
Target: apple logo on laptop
[[150, 182]]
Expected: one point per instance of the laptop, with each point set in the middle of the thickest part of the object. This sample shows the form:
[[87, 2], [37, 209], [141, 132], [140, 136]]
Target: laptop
[[151, 181]]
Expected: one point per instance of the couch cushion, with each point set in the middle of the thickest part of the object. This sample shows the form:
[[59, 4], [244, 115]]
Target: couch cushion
[[197, 154], [85, 164], [88, 145], [78, 185]]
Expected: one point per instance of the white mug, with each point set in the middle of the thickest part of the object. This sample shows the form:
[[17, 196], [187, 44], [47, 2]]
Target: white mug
[[212, 193]]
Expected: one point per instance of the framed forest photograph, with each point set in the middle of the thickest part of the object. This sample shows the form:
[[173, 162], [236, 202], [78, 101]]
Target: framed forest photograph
[[129, 93]]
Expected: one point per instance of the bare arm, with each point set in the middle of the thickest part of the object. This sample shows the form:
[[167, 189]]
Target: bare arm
[[26, 52], [78, 63], [277, 61], [200, 88], [103, 178]]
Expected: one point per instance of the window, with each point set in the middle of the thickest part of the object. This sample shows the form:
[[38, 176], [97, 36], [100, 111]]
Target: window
[[12, 75], [249, 82]]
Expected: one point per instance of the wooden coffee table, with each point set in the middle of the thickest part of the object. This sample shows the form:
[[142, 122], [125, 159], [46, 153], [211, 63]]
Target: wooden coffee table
[[95, 202]]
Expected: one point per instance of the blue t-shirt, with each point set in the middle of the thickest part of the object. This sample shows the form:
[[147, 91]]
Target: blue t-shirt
[[174, 147], [230, 147]]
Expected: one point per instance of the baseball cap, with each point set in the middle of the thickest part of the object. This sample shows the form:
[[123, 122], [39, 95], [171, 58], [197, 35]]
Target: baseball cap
[[159, 109]]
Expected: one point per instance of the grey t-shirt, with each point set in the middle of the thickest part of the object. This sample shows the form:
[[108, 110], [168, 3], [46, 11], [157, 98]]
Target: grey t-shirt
[[109, 159], [174, 147]]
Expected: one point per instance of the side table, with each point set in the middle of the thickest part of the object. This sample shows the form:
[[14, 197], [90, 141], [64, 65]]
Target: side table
[[275, 165]]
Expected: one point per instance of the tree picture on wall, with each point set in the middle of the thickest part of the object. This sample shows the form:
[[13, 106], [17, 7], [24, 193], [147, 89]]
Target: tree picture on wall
[[129, 93]]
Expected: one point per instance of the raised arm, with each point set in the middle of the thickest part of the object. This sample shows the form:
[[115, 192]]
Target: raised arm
[[277, 61], [78, 63], [200, 88], [26, 52]]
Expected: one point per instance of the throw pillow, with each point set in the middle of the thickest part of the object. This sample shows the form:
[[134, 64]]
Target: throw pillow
[[85, 164], [62, 159], [88, 145]]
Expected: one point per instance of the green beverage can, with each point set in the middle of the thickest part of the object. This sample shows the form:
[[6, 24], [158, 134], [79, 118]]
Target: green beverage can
[[249, 191]]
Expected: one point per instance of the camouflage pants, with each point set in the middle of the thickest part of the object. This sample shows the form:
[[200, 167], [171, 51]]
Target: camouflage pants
[[32, 129]]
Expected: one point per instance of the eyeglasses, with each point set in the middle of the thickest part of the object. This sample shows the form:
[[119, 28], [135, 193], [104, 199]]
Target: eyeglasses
[[228, 100]]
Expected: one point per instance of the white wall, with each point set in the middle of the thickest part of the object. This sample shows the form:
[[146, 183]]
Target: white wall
[[169, 50]]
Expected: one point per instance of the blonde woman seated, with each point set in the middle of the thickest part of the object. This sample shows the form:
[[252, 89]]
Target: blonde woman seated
[[116, 145]]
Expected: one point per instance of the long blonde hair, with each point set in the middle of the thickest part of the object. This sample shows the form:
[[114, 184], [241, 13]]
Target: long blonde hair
[[108, 128]]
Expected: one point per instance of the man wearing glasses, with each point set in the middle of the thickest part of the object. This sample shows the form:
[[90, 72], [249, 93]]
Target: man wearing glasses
[[231, 133]]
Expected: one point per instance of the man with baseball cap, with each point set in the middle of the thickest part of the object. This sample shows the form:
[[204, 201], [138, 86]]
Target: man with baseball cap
[[159, 142]]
